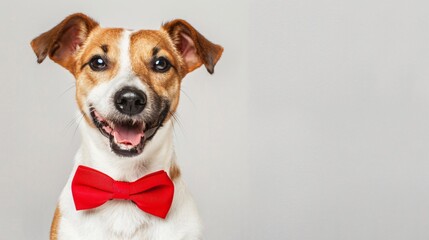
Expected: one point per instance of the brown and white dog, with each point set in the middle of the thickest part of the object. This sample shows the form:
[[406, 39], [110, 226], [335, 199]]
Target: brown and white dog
[[127, 89]]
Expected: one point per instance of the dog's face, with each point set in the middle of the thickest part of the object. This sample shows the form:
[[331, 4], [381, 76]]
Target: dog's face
[[127, 82]]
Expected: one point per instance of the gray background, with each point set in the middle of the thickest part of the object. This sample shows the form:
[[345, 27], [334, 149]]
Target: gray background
[[314, 125]]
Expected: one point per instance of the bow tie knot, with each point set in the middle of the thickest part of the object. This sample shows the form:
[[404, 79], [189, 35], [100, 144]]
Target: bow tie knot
[[152, 193], [121, 190]]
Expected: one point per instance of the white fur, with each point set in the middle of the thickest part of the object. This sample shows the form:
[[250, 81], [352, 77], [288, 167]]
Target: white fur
[[120, 219]]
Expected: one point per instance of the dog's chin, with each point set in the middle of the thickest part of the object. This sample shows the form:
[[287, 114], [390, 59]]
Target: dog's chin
[[126, 138]]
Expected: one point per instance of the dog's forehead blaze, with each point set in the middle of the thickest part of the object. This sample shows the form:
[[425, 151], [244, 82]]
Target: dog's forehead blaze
[[144, 46]]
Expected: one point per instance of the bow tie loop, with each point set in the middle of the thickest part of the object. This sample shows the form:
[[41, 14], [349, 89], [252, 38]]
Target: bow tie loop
[[152, 193]]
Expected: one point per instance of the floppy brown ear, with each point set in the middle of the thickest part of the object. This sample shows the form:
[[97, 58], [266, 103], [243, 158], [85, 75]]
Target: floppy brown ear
[[62, 42], [194, 47]]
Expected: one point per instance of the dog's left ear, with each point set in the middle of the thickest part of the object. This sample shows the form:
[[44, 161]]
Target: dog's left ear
[[194, 47]]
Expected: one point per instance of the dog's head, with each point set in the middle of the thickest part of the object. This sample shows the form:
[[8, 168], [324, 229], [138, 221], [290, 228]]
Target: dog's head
[[127, 82]]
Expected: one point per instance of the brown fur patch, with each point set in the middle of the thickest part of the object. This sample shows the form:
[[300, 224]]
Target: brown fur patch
[[174, 171], [55, 223], [165, 84]]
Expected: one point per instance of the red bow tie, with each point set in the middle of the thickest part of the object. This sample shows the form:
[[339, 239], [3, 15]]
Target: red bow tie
[[152, 193]]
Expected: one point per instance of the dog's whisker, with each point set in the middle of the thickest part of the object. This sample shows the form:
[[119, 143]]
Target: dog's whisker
[[176, 119], [77, 126], [71, 122], [188, 97], [173, 123], [68, 89]]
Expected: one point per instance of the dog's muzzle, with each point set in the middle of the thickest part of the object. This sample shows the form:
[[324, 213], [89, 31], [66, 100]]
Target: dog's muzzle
[[133, 122]]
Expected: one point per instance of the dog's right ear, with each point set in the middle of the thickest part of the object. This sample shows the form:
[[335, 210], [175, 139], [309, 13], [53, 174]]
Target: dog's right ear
[[62, 42]]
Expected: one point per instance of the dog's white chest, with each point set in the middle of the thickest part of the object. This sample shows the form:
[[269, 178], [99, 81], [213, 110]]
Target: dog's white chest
[[119, 218]]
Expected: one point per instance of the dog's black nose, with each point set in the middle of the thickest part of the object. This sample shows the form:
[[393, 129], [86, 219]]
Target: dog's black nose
[[130, 101]]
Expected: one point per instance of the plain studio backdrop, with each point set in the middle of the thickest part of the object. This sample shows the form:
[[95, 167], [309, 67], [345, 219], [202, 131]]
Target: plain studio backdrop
[[315, 124]]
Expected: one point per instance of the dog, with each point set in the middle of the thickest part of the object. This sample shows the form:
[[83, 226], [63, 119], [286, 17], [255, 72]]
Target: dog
[[127, 90]]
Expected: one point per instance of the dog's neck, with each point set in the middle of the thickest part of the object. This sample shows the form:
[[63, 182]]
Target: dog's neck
[[95, 152]]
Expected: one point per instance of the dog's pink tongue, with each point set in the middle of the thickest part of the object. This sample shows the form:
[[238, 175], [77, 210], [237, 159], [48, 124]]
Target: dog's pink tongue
[[127, 135]]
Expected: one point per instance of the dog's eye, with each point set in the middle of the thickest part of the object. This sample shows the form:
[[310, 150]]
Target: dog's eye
[[161, 64], [97, 63]]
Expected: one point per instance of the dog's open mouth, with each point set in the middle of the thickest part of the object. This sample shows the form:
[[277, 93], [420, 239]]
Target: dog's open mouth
[[126, 138]]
